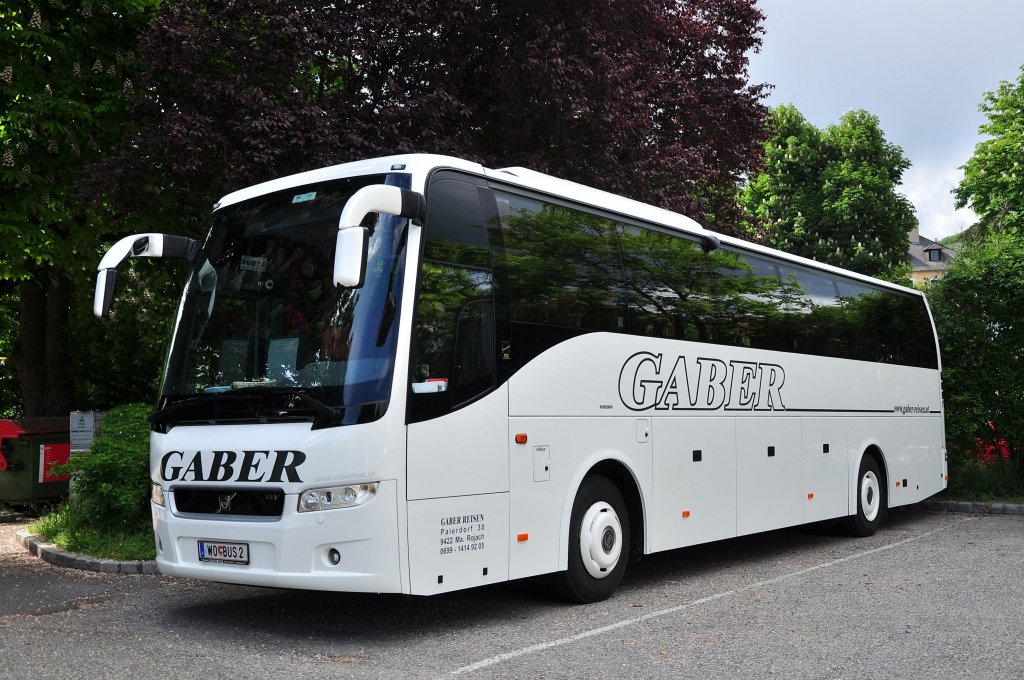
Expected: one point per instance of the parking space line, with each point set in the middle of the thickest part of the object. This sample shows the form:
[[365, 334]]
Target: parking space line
[[541, 646]]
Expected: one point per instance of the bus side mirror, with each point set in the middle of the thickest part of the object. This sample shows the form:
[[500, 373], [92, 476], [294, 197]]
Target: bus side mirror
[[139, 245], [353, 239]]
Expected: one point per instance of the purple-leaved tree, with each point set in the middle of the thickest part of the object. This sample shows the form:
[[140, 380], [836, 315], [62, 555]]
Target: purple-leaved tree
[[647, 98]]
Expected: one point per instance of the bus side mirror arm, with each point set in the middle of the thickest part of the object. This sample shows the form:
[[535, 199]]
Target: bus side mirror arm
[[353, 239], [138, 245]]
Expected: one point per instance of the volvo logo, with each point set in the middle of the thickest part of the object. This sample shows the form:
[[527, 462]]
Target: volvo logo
[[224, 501]]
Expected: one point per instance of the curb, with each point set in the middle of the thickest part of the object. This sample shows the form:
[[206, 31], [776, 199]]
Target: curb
[[975, 507], [59, 558]]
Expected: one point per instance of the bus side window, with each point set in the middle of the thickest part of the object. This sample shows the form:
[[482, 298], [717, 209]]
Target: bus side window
[[887, 327], [564, 274], [666, 283], [750, 301], [454, 356], [816, 319]]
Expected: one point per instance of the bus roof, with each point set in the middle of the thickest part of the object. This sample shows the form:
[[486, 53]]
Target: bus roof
[[421, 165]]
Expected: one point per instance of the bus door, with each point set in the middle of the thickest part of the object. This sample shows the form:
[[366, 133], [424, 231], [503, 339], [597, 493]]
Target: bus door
[[457, 463]]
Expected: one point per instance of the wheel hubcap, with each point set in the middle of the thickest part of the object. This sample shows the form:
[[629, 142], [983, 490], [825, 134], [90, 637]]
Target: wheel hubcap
[[608, 540], [869, 496], [600, 539]]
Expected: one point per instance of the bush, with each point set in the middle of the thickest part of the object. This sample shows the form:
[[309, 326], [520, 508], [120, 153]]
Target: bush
[[979, 314], [111, 482], [973, 478]]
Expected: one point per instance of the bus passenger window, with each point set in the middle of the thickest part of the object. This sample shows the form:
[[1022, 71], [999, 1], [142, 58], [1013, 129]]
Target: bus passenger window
[[750, 301], [564, 274], [666, 282]]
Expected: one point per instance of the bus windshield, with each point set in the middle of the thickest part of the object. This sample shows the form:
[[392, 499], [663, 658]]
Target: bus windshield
[[263, 334]]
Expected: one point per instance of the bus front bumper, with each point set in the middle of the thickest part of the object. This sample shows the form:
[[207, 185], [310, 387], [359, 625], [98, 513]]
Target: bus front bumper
[[293, 551]]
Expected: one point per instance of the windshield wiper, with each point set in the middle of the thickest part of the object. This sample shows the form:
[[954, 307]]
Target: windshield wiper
[[221, 406], [295, 392], [160, 416]]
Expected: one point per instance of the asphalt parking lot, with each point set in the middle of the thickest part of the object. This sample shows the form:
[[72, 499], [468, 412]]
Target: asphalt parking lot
[[931, 595]]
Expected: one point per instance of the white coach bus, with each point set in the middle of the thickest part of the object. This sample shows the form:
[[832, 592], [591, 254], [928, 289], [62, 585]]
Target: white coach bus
[[415, 375]]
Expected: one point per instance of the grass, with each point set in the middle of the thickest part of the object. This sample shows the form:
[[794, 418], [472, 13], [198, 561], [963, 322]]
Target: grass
[[61, 528]]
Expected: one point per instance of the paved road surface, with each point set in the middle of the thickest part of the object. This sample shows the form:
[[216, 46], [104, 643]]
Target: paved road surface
[[930, 596]]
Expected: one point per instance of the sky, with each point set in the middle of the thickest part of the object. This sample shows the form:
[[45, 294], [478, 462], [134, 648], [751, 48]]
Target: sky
[[920, 66]]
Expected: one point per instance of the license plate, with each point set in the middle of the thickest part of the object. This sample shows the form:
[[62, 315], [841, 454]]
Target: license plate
[[220, 551]]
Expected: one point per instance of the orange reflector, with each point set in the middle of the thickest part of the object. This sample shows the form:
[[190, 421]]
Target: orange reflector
[[686, 513], [947, 478], [897, 483], [810, 496], [521, 439], [522, 537]]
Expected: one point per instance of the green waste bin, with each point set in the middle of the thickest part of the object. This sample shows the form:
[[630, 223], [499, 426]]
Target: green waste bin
[[29, 450]]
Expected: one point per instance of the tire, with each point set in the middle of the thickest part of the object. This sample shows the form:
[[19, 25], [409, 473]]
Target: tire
[[871, 501], [598, 543]]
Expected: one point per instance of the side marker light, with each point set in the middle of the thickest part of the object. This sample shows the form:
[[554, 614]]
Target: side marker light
[[686, 513], [522, 538], [521, 438]]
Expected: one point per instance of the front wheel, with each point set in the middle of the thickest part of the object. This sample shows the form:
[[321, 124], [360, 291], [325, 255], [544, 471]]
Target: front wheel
[[598, 542], [871, 503]]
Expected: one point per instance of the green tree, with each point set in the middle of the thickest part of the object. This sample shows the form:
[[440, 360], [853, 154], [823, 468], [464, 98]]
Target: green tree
[[10, 402], [977, 307], [830, 194], [993, 184], [65, 71]]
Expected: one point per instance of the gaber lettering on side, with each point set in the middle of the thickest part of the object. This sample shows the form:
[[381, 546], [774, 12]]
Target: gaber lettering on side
[[740, 385]]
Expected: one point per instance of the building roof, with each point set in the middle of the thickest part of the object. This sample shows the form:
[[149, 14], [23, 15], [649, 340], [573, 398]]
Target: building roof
[[918, 255]]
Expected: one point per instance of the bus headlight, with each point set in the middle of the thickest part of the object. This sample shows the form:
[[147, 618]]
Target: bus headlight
[[157, 494], [332, 497]]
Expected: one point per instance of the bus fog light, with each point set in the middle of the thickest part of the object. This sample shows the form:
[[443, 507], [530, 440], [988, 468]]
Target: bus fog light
[[333, 556], [333, 497]]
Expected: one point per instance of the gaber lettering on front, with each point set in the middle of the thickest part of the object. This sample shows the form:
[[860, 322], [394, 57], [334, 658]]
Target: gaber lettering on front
[[701, 384], [224, 466]]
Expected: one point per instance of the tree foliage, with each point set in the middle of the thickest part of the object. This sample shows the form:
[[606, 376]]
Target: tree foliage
[[977, 307], [65, 73], [647, 98], [830, 194], [10, 402], [993, 184]]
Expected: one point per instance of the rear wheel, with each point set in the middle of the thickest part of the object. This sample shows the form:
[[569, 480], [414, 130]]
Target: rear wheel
[[598, 542], [871, 500]]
